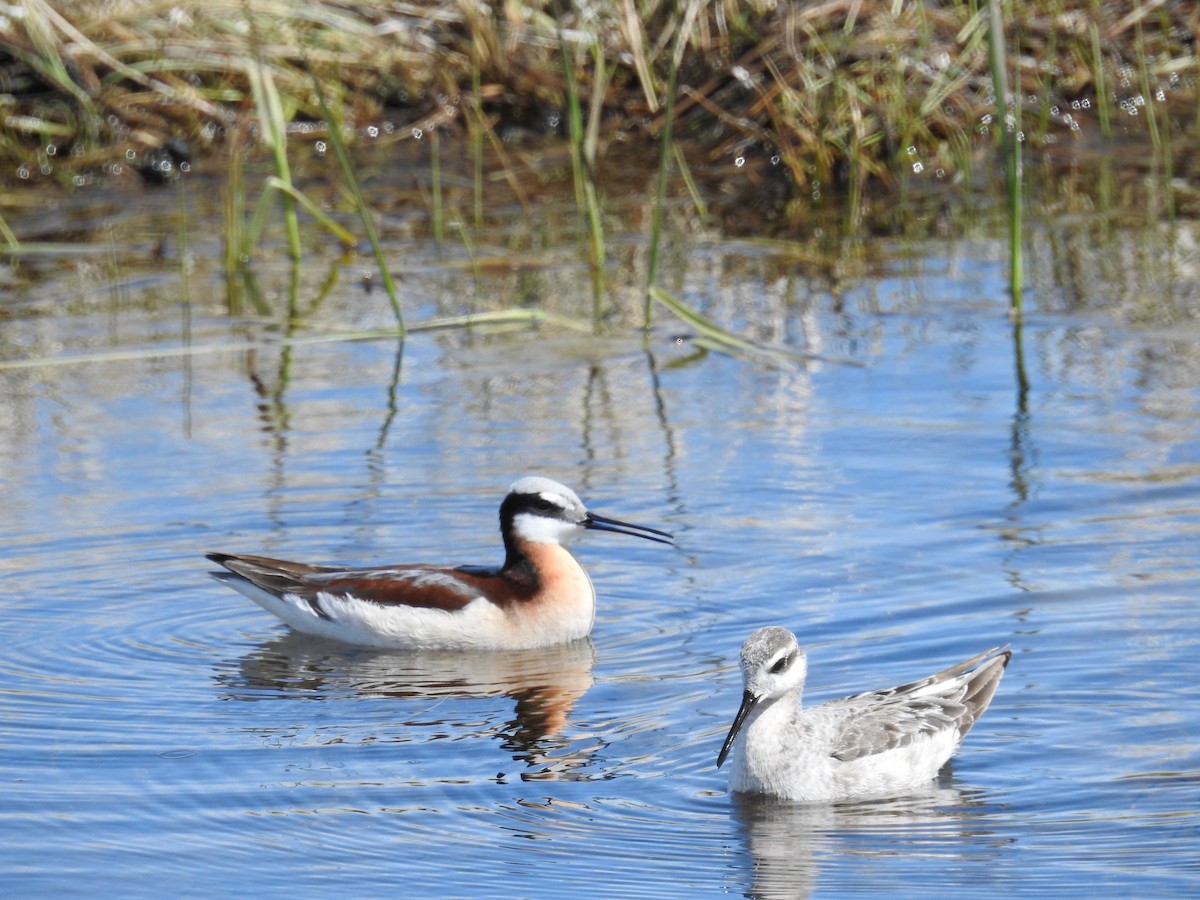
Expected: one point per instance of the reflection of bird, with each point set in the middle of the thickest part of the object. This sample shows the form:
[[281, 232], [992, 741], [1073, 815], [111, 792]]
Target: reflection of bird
[[538, 597], [544, 684], [793, 850], [871, 744]]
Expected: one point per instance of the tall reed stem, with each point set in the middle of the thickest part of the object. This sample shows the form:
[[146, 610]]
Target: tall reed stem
[[583, 158], [660, 191], [1008, 115], [435, 175], [360, 203]]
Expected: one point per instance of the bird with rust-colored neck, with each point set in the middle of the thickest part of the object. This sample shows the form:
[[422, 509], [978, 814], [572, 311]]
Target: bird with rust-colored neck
[[875, 744], [540, 596]]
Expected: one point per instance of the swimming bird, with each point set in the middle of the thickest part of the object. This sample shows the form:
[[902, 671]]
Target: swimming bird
[[540, 596], [878, 743]]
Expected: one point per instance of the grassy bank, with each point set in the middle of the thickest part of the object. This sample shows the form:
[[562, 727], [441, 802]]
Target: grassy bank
[[843, 92]]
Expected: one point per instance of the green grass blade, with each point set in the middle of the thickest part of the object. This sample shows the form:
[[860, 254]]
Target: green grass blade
[[342, 234], [273, 124], [493, 319], [711, 336], [10, 237], [364, 212]]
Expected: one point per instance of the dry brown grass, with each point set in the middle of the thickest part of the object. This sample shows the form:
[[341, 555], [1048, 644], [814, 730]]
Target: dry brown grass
[[841, 91]]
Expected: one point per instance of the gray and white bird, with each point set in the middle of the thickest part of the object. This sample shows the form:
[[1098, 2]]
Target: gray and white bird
[[878, 743]]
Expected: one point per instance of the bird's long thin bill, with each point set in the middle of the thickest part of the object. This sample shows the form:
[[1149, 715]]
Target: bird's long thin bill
[[748, 703], [600, 523]]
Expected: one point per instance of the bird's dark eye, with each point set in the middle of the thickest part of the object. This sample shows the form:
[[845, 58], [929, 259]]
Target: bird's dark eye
[[780, 664]]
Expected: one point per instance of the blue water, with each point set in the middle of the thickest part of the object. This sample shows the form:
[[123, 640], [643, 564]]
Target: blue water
[[900, 503]]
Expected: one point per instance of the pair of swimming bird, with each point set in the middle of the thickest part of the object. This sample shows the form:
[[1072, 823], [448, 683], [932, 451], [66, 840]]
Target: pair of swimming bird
[[872, 744]]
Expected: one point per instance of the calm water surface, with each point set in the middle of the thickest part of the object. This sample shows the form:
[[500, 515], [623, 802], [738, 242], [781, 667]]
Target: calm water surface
[[898, 502]]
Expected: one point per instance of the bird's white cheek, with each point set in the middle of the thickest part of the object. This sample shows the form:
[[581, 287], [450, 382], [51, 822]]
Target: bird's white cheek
[[541, 530]]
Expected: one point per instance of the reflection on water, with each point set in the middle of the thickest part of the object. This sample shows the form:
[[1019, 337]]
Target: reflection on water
[[960, 478], [795, 848], [544, 684]]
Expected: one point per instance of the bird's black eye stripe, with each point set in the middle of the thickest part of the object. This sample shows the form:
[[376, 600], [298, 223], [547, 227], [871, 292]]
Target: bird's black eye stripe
[[780, 664]]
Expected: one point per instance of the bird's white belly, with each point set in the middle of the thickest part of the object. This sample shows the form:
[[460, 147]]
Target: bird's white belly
[[479, 624], [771, 767]]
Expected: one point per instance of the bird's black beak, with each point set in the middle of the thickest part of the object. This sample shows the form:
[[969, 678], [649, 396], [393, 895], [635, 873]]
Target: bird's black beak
[[600, 523], [749, 701]]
